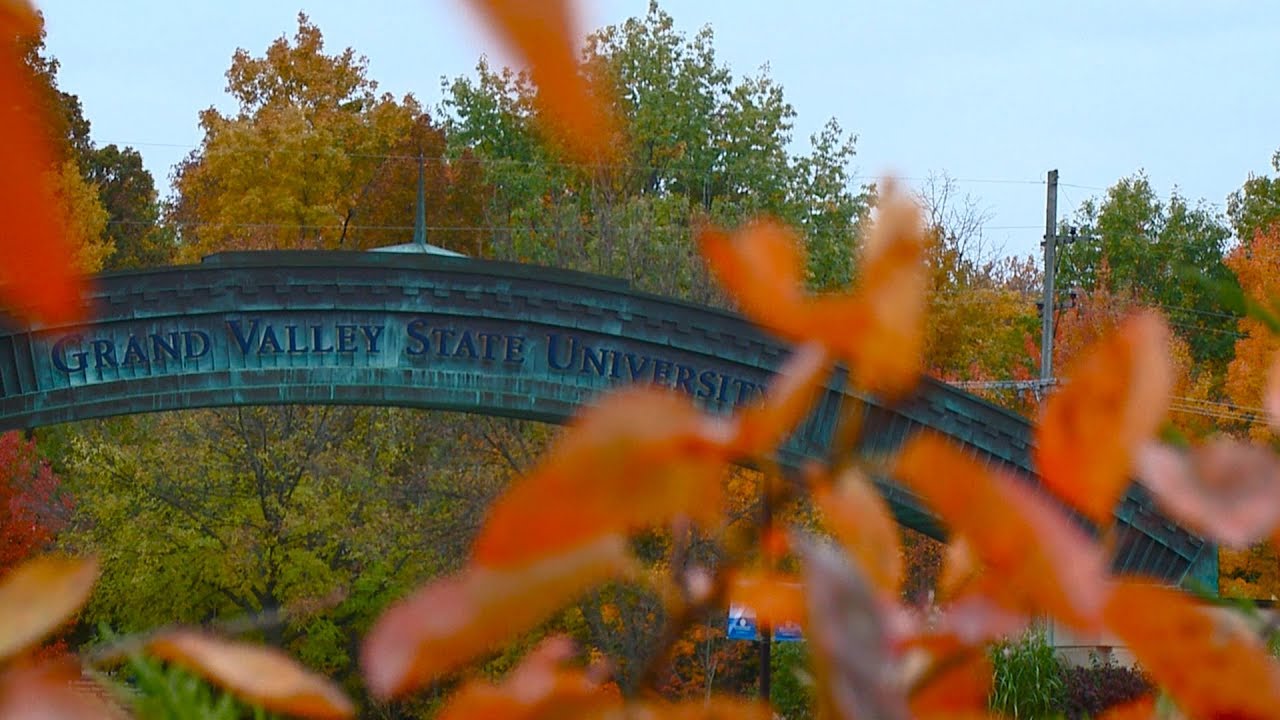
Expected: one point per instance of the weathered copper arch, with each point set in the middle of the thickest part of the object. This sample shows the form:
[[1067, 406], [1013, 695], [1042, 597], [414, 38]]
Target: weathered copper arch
[[470, 336]]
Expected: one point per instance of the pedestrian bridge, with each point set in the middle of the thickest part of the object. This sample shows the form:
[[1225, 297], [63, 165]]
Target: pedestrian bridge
[[477, 336]]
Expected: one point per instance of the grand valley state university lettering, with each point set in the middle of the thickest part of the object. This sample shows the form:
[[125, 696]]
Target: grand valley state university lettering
[[422, 341]]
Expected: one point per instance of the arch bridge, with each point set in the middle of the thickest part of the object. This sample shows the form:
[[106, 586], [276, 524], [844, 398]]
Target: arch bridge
[[477, 336]]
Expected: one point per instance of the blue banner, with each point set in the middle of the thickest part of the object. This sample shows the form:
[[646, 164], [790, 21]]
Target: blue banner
[[742, 626]]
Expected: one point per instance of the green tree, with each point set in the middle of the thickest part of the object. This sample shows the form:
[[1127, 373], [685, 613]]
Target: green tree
[[701, 146], [1132, 243], [1255, 208], [128, 194]]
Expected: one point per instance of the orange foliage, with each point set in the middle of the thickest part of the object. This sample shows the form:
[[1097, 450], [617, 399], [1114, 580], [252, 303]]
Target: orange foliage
[[1114, 400], [877, 328], [960, 684], [40, 595], [261, 675], [764, 425], [37, 275], [1255, 262], [543, 34], [776, 598], [642, 457], [1043, 563], [539, 687], [860, 519], [1211, 668], [452, 621]]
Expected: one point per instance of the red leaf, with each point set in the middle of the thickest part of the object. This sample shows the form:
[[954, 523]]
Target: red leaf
[[713, 708], [642, 457], [55, 690], [543, 34], [452, 621], [1226, 490], [1213, 668], [1092, 428], [959, 683], [789, 399], [1037, 560], [539, 687], [1271, 394], [777, 599], [1144, 708], [763, 267], [860, 519], [257, 674], [18, 17], [877, 329], [38, 596], [959, 568], [37, 277]]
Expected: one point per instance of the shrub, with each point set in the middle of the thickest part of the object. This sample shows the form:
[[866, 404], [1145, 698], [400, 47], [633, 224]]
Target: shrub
[[1092, 690], [1027, 680]]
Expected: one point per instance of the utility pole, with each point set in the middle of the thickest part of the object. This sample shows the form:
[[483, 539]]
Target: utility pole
[[766, 632], [1050, 264], [420, 217]]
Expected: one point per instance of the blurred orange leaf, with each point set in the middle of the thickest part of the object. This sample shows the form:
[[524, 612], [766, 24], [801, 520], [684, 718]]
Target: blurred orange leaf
[[53, 690], [1144, 708], [18, 17], [1213, 667], [641, 457], [1271, 394], [853, 659], [1117, 395], [877, 328], [860, 519], [451, 621], [1226, 490], [959, 567], [713, 708], [37, 275], [788, 400], [38, 596], [539, 687], [762, 266], [1038, 560], [957, 683], [543, 34], [257, 674], [776, 598]]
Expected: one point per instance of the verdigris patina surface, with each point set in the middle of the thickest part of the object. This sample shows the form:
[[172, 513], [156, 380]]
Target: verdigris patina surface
[[470, 336]]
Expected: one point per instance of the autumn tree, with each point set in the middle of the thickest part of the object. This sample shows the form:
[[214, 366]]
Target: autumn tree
[[980, 307], [78, 205], [320, 513], [307, 158], [32, 505], [1255, 262]]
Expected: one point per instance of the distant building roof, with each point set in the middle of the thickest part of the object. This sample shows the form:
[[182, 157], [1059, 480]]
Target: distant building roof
[[418, 248]]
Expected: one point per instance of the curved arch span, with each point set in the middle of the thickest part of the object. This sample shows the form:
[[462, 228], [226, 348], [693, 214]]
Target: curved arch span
[[472, 336]]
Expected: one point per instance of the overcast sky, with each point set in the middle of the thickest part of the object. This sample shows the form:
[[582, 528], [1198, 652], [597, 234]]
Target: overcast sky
[[993, 93]]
